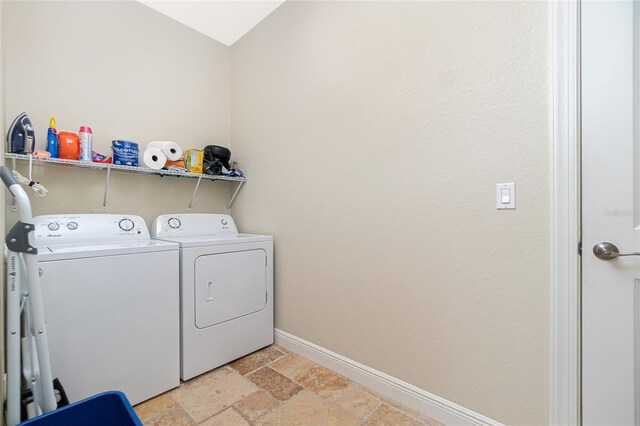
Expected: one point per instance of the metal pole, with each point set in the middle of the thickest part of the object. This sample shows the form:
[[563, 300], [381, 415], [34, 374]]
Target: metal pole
[[13, 339], [14, 208], [38, 325]]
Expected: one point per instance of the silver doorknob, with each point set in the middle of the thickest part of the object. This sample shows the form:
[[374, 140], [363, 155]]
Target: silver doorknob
[[608, 251]]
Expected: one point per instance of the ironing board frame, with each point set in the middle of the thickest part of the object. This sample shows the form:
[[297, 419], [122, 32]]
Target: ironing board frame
[[24, 296]]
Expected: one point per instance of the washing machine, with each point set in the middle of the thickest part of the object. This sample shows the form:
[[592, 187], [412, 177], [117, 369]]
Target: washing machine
[[226, 289], [111, 303]]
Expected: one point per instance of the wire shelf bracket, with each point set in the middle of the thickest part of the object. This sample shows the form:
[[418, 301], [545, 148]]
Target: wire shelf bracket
[[233, 197], [194, 193], [106, 189]]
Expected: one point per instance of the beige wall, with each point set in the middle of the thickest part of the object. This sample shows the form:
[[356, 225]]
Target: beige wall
[[375, 133], [129, 73], [2, 208]]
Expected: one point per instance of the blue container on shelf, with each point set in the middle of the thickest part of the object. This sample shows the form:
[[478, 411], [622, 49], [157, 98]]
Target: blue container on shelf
[[125, 153], [105, 409]]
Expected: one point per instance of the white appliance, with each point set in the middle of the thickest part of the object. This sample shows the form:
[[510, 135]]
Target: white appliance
[[111, 304], [226, 289]]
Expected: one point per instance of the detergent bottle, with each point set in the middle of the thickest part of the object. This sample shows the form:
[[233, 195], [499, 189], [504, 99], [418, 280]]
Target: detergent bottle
[[52, 139], [86, 139], [69, 146]]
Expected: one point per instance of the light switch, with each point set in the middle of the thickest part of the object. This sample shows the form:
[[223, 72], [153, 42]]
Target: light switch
[[506, 195]]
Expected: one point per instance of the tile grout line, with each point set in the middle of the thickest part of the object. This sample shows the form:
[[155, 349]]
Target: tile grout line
[[366, 417], [231, 370], [178, 407], [162, 413], [246, 379], [290, 378], [260, 389], [253, 371], [363, 389], [193, 422], [361, 419], [394, 407], [406, 413], [211, 416], [280, 403], [234, 408]]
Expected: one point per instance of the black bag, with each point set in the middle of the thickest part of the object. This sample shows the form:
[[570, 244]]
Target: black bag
[[214, 158]]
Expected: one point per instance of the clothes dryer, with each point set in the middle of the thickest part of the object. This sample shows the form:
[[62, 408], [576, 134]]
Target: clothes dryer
[[226, 289]]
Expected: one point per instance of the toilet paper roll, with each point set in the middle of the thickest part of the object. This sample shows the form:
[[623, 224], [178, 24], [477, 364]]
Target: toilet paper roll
[[171, 149], [154, 158]]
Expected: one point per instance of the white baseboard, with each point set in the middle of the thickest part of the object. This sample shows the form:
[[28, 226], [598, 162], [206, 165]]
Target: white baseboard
[[413, 397]]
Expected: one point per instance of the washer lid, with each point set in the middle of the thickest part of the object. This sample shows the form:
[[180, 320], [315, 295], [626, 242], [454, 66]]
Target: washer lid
[[77, 251], [214, 240]]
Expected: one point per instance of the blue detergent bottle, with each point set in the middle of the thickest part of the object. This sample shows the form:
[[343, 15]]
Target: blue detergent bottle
[[52, 139]]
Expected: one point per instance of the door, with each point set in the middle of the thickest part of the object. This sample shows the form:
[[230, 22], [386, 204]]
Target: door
[[229, 286], [610, 213]]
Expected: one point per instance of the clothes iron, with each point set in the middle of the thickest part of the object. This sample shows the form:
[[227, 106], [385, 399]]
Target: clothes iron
[[21, 137]]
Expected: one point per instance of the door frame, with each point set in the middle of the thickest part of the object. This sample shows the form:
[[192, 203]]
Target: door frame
[[565, 213]]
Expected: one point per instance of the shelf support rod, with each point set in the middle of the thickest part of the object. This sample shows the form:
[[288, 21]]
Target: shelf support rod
[[14, 207], [195, 191], [106, 189], [233, 197]]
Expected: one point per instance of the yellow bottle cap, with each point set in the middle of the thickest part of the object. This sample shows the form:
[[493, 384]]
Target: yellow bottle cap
[[52, 122]]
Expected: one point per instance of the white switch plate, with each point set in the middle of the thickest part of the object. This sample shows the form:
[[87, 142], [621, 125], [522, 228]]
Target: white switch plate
[[506, 196]]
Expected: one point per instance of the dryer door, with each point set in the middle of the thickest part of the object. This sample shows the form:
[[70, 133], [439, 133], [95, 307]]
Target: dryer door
[[229, 286]]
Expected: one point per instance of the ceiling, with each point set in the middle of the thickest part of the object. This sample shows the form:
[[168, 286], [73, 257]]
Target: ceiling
[[225, 21]]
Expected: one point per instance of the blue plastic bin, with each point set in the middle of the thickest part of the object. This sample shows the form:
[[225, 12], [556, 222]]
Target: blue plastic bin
[[104, 409]]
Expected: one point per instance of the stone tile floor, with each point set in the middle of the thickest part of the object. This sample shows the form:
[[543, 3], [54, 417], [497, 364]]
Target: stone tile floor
[[274, 387]]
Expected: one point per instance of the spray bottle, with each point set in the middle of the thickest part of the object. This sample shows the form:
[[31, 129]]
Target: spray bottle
[[52, 139]]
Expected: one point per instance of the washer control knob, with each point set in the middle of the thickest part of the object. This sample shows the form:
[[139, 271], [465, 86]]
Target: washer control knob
[[53, 226], [72, 226], [126, 225], [174, 222], [224, 221]]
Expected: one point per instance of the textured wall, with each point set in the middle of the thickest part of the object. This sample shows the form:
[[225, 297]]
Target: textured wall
[[375, 133], [2, 208], [129, 73]]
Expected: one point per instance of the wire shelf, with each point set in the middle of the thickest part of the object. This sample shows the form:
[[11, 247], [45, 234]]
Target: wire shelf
[[130, 169], [44, 161]]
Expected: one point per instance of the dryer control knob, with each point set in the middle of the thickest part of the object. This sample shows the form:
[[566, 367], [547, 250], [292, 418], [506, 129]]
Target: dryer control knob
[[126, 225], [53, 226], [72, 226], [174, 222]]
